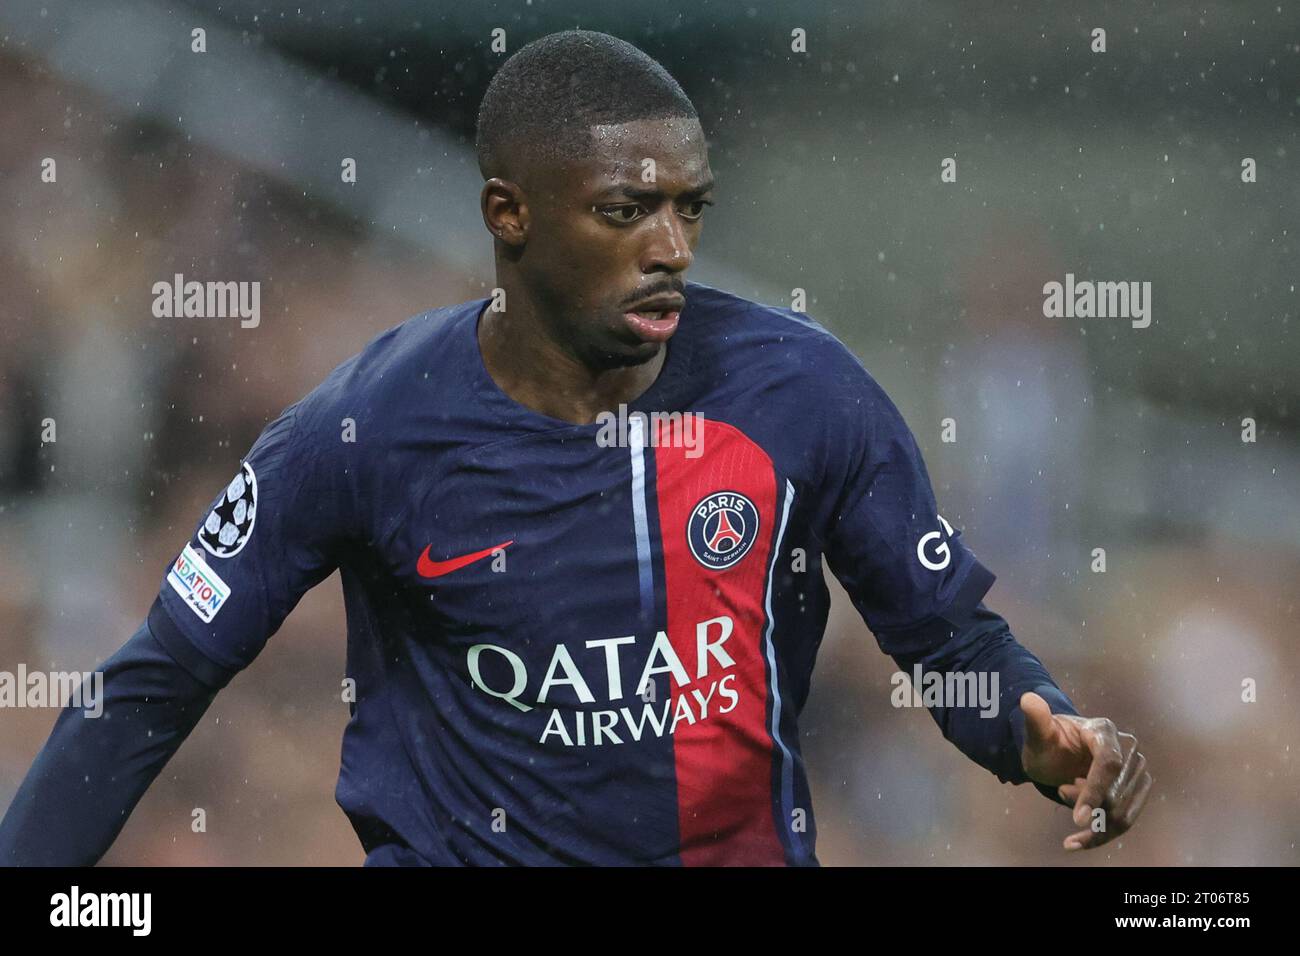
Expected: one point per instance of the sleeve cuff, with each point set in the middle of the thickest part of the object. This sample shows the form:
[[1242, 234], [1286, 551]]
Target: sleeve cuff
[[1058, 703]]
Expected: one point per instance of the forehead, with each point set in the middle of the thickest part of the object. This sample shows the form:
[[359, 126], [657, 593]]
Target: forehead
[[618, 150], [677, 135]]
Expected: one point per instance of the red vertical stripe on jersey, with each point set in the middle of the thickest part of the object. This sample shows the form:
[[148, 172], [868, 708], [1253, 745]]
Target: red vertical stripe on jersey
[[723, 761]]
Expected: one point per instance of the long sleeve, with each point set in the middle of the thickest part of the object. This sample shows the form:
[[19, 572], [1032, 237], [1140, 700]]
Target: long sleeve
[[910, 573], [985, 645], [267, 539], [92, 771]]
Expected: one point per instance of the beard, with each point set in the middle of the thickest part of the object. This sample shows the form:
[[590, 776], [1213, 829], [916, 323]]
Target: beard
[[642, 355], [611, 350]]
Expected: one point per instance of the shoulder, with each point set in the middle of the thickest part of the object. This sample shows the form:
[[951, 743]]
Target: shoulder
[[732, 320], [784, 351], [336, 442], [386, 376]]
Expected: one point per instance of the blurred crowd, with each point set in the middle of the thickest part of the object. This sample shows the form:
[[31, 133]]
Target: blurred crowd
[[152, 415]]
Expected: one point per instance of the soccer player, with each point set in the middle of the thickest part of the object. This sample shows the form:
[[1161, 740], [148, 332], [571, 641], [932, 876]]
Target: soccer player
[[580, 531]]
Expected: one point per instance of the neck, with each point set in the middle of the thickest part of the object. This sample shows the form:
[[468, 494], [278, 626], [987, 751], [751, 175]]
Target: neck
[[540, 373]]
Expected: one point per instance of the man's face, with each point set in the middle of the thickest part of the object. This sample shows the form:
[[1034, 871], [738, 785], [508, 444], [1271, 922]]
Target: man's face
[[610, 233]]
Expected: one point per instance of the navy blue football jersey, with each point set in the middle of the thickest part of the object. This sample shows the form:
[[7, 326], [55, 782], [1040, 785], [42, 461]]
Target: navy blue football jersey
[[579, 643]]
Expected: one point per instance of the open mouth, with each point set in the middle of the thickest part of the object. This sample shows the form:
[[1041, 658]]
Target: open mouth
[[652, 326]]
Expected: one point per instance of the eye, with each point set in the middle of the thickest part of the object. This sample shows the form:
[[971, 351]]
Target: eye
[[697, 209], [616, 213]]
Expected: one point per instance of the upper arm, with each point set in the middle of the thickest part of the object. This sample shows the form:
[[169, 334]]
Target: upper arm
[[907, 570], [271, 534]]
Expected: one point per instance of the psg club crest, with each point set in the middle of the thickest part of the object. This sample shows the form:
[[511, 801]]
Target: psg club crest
[[230, 521], [722, 529]]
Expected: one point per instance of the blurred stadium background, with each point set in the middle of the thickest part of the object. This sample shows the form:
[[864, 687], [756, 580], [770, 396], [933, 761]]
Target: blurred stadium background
[[1071, 434]]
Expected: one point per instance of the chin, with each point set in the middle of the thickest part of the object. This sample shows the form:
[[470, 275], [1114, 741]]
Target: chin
[[637, 355], [622, 354]]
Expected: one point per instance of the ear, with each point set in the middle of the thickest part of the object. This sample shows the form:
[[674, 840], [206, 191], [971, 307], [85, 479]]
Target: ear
[[505, 210]]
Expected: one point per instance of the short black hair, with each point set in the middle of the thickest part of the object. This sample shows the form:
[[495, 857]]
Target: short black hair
[[542, 103]]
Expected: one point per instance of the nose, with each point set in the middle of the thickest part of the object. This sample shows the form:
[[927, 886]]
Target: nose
[[668, 247]]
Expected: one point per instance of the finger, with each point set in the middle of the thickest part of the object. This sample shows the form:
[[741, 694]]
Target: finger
[[1133, 799], [1069, 792], [1145, 783], [1106, 830], [1134, 764], [1087, 839], [1038, 719], [1107, 762], [1117, 814], [1117, 822], [1075, 841], [1124, 786], [1127, 743]]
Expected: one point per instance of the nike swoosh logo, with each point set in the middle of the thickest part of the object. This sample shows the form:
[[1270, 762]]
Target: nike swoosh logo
[[429, 568]]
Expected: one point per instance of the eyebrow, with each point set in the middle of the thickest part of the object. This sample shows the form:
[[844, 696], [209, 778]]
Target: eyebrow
[[652, 192]]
